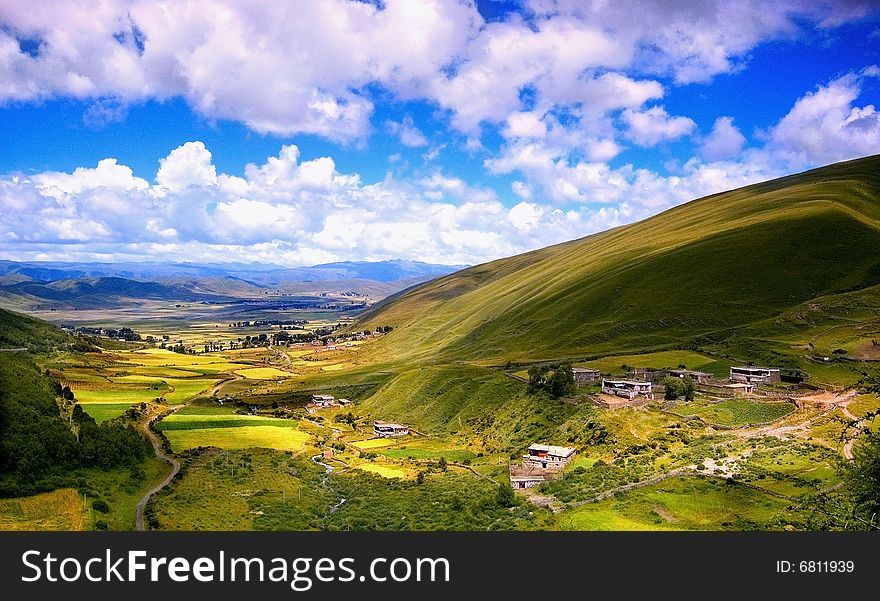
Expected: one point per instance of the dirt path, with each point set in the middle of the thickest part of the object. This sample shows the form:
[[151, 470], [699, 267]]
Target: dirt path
[[160, 453]]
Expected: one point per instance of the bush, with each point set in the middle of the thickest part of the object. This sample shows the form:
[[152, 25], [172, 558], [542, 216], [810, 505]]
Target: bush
[[100, 505], [101, 525]]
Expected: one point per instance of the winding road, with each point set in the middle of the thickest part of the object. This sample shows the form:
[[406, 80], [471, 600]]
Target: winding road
[[160, 453]]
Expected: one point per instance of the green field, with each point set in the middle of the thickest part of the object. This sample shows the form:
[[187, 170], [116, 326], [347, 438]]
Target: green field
[[101, 412], [118, 395], [373, 443], [736, 412], [268, 437], [382, 470], [660, 360], [263, 373], [681, 504]]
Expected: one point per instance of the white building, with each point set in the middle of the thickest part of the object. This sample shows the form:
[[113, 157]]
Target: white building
[[548, 456], [323, 400], [755, 375], [387, 429], [628, 388]]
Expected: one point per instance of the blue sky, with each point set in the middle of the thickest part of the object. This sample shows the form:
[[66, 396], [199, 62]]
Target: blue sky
[[307, 132]]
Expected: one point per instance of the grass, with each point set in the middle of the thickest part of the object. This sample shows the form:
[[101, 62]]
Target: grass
[[382, 470], [102, 412], [736, 412], [373, 443], [117, 395], [263, 373], [680, 504], [458, 455], [61, 509], [121, 489], [184, 390], [226, 491], [659, 360], [267, 437]]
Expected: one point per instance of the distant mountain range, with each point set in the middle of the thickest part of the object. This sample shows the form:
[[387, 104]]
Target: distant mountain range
[[255, 274], [40, 284]]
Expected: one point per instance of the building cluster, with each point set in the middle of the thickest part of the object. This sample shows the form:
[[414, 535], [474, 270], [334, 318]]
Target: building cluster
[[638, 387], [326, 401]]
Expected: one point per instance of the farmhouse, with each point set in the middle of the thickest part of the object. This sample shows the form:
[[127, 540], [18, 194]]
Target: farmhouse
[[548, 456], [741, 388], [323, 400], [700, 377], [584, 375], [387, 430], [755, 375], [343, 402], [628, 388]]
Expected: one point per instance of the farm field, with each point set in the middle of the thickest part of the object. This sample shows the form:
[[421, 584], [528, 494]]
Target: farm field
[[681, 504], [659, 360], [736, 412], [61, 509], [101, 412], [263, 373]]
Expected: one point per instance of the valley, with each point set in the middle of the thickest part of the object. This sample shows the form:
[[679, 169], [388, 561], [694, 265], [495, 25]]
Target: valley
[[271, 411]]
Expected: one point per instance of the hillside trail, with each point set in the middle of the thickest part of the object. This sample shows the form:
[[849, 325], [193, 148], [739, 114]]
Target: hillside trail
[[160, 453]]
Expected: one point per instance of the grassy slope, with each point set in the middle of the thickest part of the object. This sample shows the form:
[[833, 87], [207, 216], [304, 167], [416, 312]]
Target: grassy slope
[[706, 269]]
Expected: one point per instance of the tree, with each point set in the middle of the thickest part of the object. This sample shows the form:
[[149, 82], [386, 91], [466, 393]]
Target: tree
[[556, 380], [505, 496], [862, 475], [678, 387], [442, 464], [672, 388]]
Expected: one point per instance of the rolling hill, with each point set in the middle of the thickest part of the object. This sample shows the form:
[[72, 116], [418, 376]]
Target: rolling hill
[[717, 268]]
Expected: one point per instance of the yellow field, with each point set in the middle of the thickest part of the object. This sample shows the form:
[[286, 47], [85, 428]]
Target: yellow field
[[373, 443], [382, 470], [334, 367], [60, 509], [245, 437], [263, 373]]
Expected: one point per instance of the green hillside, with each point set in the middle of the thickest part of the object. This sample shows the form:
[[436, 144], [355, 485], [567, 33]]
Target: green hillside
[[21, 331], [718, 270]]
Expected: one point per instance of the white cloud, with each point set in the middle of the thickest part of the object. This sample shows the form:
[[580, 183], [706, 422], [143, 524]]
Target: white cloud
[[655, 125], [824, 126], [723, 142], [407, 132], [187, 165]]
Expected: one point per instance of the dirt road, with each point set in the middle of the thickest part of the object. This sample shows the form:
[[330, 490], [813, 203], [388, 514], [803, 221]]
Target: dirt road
[[160, 453]]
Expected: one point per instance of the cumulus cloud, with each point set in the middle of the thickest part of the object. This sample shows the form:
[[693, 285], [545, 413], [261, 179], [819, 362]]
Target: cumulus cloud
[[723, 142], [187, 165], [265, 65], [655, 125], [824, 126], [285, 210]]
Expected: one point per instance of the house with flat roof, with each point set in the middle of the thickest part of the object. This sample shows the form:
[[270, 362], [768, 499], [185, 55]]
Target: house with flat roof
[[548, 456], [628, 388], [700, 377], [323, 400], [755, 375], [388, 429], [584, 375]]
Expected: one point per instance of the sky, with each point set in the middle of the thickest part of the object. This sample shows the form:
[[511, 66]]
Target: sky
[[312, 131]]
